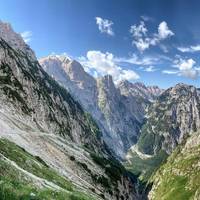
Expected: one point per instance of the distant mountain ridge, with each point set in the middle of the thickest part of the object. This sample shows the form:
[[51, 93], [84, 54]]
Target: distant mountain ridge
[[138, 89]]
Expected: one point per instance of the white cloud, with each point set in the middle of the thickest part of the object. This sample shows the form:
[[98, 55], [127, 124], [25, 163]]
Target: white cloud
[[185, 67], [142, 44], [139, 34], [135, 60], [26, 35], [164, 31], [138, 31], [189, 49], [192, 73], [128, 75], [169, 72], [105, 63], [185, 64], [146, 18], [105, 25], [150, 69], [143, 41]]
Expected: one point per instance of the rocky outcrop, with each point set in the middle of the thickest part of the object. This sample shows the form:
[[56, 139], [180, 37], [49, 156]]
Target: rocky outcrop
[[172, 117], [169, 120], [15, 40]]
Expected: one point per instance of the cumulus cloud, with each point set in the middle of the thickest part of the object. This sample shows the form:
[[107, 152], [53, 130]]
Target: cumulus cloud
[[139, 34], [104, 63], [164, 31], [185, 64], [185, 67], [138, 31], [190, 49], [143, 41], [26, 35], [105, 26]]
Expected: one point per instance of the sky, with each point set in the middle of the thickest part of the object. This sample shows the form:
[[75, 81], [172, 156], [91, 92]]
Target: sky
[[152, 41]]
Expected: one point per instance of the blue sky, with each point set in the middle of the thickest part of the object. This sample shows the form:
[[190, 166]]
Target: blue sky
[[156, 42]]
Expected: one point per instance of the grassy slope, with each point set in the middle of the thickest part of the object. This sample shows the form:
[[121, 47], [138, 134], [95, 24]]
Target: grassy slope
[[179, 178], [15, 185], [144, 168]]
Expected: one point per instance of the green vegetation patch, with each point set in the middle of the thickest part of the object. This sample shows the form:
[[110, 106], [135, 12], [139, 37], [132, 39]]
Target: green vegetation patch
[[179, 177], [144, 168], [15, 185], [32, 164]]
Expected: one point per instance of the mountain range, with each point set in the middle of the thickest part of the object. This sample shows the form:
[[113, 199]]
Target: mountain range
[[118, 109], [66, 134]]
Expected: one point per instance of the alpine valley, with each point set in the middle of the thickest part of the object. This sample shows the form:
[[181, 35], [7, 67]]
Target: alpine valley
[[66, 135]]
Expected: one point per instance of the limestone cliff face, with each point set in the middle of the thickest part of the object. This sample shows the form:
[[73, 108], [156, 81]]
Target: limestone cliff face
[[169, 120], [137, 97], [123, 127], [118, 109], [172, 117]]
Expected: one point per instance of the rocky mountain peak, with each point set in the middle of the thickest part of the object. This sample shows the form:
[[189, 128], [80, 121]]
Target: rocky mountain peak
[[15, 40], [76, 72], [140, 84], [155, 90], [139, 89], [181, 87], [56, 58], [72, 70], [124, 83], [106, 81], [171, 118], [180, 92]]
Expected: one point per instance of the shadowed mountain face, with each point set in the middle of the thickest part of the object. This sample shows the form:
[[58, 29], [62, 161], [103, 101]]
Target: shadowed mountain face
[[118, 109], [41, 117]]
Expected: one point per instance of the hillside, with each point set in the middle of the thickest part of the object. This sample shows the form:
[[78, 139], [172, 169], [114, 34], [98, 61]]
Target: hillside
[[179, 177]]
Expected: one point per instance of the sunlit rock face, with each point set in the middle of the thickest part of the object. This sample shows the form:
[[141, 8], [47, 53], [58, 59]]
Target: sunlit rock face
[[118, 109]]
